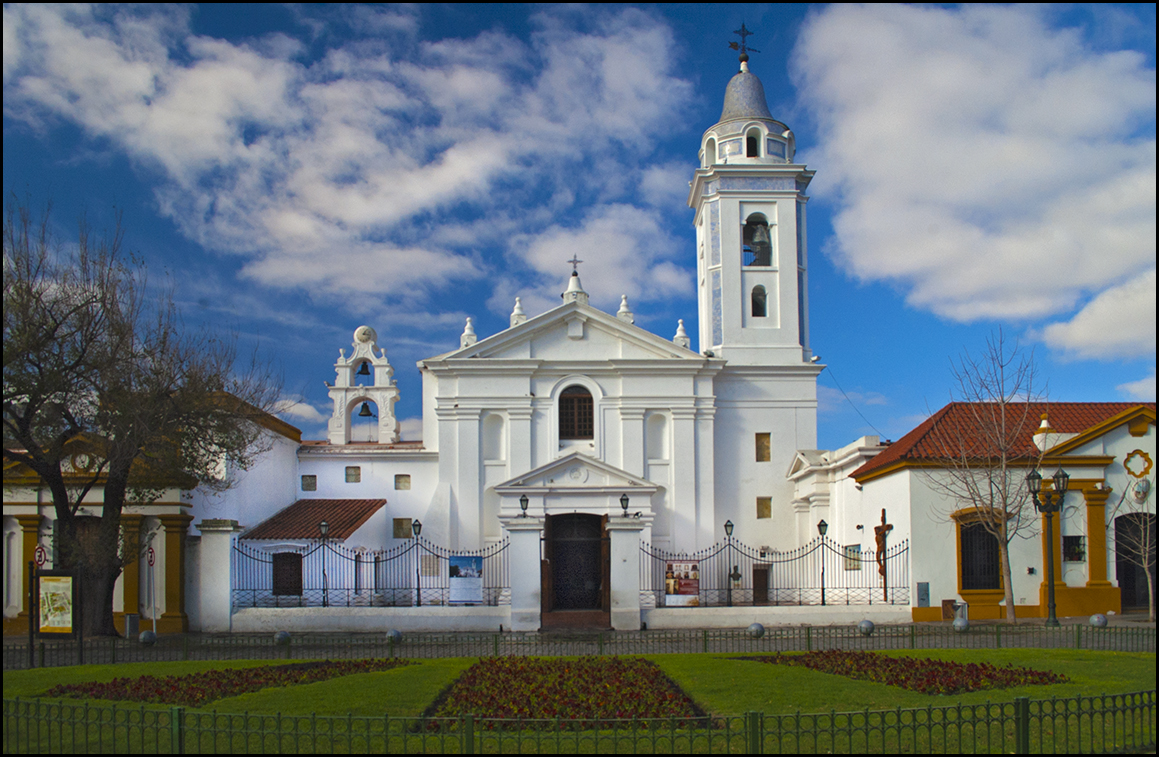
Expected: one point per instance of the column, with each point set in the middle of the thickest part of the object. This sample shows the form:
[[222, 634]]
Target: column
[[174, 619], [1097, 536], [468, 530], [691, 529], [131, 573], [30, 532], [519, 440], [632, 440], [216, 580], [625, 556], [524, 564]]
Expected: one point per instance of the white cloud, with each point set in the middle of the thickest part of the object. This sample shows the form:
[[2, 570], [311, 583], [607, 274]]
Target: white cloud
[[1119, 323], [1143, 389], [831, 400], [296, 409], [332, 174], [624, 249], [410, 429], [993, 167]]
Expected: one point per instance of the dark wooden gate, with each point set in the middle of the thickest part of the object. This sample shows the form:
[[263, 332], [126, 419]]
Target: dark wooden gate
[[577, 556]]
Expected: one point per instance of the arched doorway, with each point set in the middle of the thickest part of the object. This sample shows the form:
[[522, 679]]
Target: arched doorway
[[1134, 539], [577, 570]]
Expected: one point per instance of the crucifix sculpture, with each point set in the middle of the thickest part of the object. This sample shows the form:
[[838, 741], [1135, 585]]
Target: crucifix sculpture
[[879, 534]]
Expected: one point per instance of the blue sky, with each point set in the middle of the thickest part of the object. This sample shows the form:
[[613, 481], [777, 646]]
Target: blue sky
[[300, 170]]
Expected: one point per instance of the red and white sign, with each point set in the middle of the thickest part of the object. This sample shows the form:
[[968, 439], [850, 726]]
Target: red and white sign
[[151, 556], [41, 555]]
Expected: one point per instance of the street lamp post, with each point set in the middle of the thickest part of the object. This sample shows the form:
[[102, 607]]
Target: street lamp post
[[729, 578], [822, 528], [1048, 503], [417, 527]]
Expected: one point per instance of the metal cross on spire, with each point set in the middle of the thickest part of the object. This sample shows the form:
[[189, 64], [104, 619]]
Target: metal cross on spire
[[575, 261], [743, 33]]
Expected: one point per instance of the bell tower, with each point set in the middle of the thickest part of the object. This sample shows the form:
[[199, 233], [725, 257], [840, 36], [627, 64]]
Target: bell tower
[[364, 377], [752, 267]]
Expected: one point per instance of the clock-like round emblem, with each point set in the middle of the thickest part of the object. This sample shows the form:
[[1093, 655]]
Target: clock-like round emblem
[[364, 334]]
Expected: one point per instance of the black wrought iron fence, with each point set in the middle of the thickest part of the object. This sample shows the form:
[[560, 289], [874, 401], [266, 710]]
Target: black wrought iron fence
[[731, 573], [327, 574]]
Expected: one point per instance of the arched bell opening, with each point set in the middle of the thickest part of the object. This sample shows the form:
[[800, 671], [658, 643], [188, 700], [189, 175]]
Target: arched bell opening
[[758, 244], [362, 420], [363, 374]]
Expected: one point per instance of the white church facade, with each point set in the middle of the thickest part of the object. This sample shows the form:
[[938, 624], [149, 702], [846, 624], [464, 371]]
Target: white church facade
[[537, 438]]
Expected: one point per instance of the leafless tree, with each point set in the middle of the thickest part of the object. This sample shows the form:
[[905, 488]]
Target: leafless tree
[[985, 453], [105, 390], [1135, 541]]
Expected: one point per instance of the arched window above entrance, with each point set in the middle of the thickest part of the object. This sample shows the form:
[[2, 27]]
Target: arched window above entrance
[[575, 413]]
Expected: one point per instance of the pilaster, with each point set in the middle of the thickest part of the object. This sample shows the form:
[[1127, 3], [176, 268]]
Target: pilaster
[[131, 573], [1096, 500], [216, 580], [524, 568], [625, 558], [30, 537], [174, 619]]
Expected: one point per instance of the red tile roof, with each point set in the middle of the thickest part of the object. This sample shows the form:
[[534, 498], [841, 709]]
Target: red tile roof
[[300, 520], [957, 426]]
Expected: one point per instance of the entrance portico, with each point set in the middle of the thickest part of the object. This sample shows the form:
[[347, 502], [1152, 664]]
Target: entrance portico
[[588, 552]]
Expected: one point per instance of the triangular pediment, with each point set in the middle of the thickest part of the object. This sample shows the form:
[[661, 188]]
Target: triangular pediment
[[1137, 417], [573, 332], [805, 459], [577, 471]]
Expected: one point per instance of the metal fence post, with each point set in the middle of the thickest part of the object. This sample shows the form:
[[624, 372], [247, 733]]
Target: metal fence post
[[467, 743], [177, 730], [753, 732], [1022, 725]]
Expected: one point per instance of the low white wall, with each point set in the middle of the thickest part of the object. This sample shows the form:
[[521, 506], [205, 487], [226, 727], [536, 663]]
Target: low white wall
[[743, 617], [371, 619]]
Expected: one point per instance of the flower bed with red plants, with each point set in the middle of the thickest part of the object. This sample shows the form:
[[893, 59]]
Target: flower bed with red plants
[[199, 689], [923, 675], [577, 690]]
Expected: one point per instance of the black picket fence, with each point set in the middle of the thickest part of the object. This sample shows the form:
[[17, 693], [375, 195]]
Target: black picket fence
[[306, 646], [327, 574], [731, 573]]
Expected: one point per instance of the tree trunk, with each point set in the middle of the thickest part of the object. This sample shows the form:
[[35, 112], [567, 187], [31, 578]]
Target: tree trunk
[[1007, 583]]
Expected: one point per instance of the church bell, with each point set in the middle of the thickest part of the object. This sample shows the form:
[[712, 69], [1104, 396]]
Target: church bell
[[365, 411]]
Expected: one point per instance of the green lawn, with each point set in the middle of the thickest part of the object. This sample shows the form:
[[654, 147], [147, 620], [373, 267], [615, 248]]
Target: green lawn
[[719, 683], [727, 686], [350, 711]]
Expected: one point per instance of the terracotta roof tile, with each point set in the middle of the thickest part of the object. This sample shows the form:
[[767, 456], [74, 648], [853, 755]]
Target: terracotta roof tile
[[300, 520], [956, 426]]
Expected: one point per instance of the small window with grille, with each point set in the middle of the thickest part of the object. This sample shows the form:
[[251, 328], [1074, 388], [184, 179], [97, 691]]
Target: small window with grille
[[764, 507], [403, 528], [353, 474], [402, 481], [1074, 548], [309, 483]]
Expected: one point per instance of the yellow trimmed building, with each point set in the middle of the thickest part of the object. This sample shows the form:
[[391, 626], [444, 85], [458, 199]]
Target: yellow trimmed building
[[1108, 451]]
